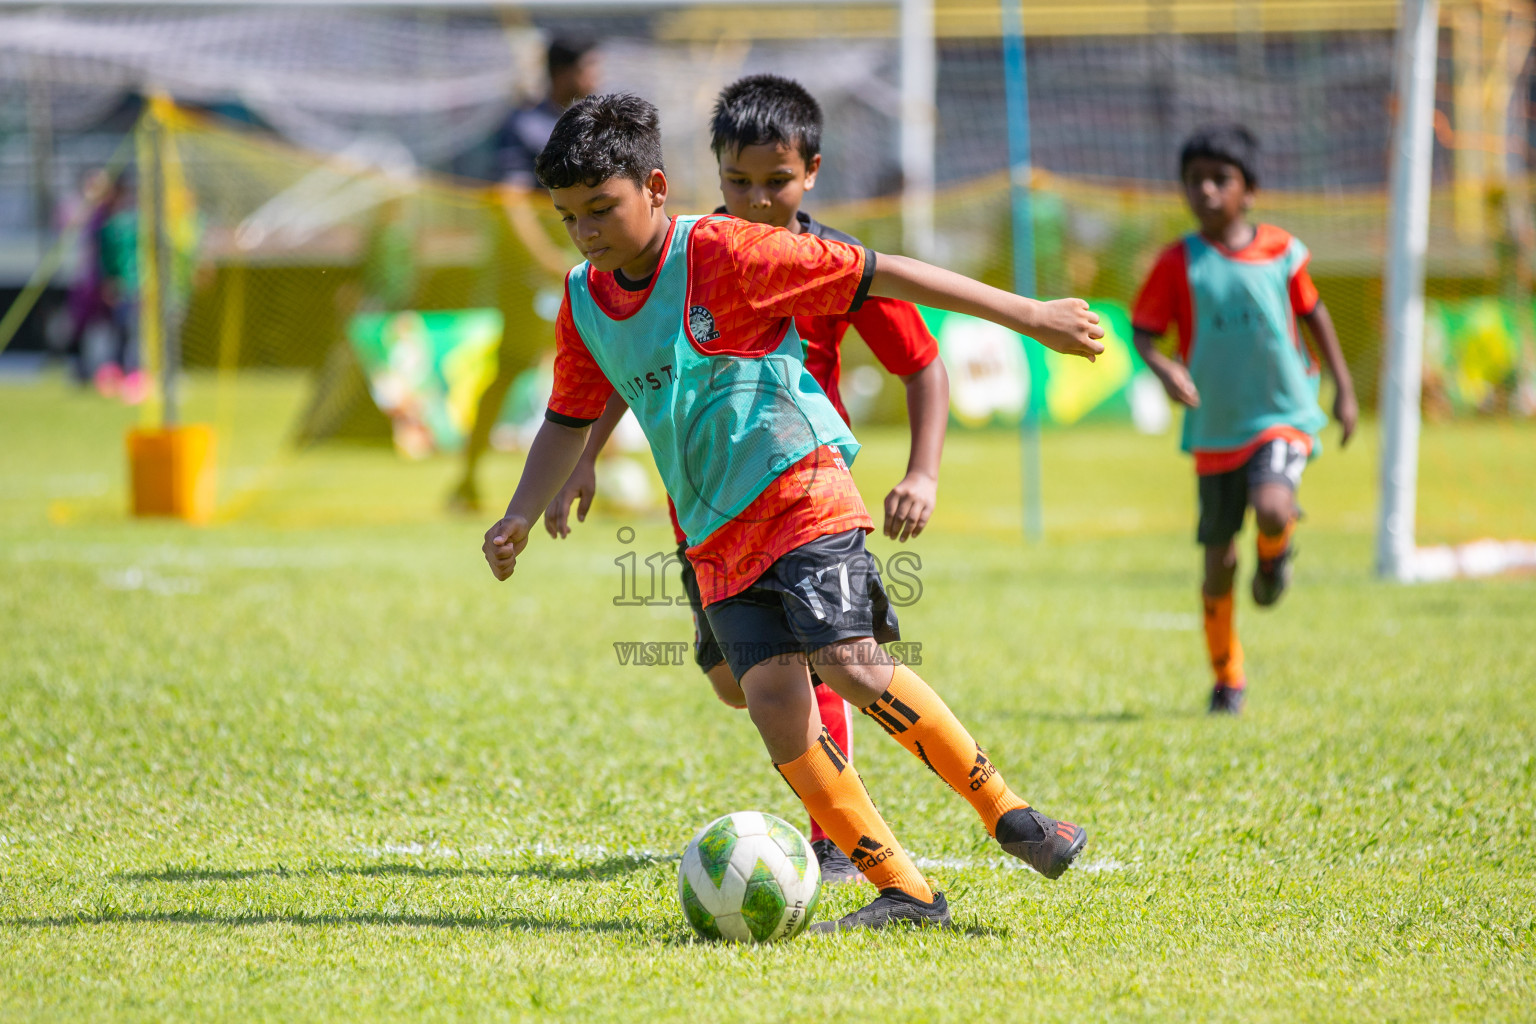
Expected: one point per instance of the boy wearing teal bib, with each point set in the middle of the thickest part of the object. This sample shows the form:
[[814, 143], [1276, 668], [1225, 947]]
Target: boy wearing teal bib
[[766, 132], [1236, 292], [691, 320]]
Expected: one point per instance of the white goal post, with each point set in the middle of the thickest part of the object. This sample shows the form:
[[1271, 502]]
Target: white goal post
[[1407, 241]]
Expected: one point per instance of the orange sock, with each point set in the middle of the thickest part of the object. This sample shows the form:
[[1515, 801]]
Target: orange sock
[[1273, 547], [837, 721], [1221, 640], [834, 794], [919, 720]]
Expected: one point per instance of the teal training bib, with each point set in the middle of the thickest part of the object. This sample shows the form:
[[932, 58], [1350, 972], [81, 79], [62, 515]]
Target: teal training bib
[[721, 427], [1246, 355]]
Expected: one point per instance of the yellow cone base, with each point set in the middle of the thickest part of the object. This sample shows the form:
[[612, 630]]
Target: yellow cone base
[[172, 472]]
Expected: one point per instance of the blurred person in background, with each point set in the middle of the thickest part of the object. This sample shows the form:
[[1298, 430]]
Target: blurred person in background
[[573, 74], [573, 69], [388, 282], [117, 252], [389, 273], [87, 303]]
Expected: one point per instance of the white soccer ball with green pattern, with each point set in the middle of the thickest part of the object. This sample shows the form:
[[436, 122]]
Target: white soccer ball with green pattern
[[749, 877]]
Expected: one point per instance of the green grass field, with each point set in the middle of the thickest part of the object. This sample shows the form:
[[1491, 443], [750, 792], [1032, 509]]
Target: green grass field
[[313, 762]]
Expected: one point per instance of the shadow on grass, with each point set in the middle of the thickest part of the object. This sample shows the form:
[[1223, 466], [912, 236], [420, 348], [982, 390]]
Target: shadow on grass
[[893, 934], [1120, 717], [1096, 717], [610, 867], [514, 923], [661, 936]]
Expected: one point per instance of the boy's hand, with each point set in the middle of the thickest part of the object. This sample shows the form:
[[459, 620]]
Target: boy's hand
[[1068, 326], [1347, 412], [503, 543], [581, 488], [1177, 382], [909, 505]]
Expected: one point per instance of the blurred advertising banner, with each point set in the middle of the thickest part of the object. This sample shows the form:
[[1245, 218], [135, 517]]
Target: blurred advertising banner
[[1479, 356], [995, 375], [427, 371]]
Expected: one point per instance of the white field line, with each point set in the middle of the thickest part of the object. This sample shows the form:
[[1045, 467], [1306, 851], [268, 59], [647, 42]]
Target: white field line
[[54, 486], [173, 556], [138, 578], [1474, 560], [594, 851]]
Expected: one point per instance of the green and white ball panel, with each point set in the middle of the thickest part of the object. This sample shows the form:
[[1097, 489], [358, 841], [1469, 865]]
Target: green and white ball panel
[[749, 877]]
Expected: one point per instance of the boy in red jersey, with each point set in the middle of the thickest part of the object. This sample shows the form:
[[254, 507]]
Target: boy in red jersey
[[692, 320], [1250, 384], [766, 135]]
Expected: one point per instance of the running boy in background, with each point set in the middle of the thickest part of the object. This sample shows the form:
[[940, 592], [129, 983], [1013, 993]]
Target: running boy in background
[[1235, 290], [766, 135], [692, 320]]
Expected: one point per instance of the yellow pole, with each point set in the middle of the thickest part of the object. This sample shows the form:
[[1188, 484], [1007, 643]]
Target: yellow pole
[[146, 153], [1467, 121]]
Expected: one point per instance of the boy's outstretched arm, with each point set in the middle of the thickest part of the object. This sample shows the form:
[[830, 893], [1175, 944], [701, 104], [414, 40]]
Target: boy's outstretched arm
[[581, 486], [1174, 374], [551, 458], [1065, 325], [911, 501], [1345, 409]]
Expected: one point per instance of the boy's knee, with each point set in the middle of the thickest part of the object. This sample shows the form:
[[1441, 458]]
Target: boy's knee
[[1273, 512], [766, 708], [726, 687], [1219, 556], [859, 671]]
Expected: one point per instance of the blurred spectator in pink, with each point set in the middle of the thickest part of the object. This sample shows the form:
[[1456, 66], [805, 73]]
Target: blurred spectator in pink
[[87, 303], [117, 245]]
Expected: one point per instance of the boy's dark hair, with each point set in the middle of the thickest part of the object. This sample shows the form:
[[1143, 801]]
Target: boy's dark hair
[[616, 135], [762, 110], [1229, 143], [567, 51]]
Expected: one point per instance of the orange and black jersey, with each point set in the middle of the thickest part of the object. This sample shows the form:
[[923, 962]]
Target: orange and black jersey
[[893, 330], [752, 279]]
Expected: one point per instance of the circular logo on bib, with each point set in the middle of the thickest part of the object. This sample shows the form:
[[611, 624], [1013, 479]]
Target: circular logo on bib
[[701, 324]]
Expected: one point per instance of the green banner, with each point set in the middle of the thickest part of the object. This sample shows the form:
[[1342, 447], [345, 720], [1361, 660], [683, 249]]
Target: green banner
[[996, 374], [427, 371], [1479, 355]]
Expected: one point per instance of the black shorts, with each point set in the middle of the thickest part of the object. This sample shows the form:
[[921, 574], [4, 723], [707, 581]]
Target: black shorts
[[1224, 496], [705, 650], [822, 592]]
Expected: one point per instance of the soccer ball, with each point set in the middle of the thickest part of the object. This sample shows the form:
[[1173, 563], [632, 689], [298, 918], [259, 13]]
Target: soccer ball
[[749, 877]]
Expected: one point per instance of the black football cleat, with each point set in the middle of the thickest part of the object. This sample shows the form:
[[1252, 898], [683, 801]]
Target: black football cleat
[[1045, 844], [836, 868], [1272, 577], [892, 907], [1227, 700]]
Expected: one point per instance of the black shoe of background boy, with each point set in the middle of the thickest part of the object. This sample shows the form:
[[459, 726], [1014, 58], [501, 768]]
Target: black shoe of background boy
[[1272, 577], [836, 868], [1227, 700]]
